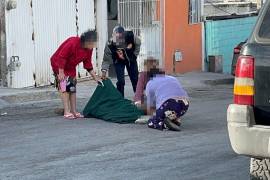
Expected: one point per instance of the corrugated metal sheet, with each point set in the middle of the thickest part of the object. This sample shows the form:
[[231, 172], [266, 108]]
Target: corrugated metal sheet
[[151, 44], [102, 28], [54, 21], [34, 31], [86, 20], [143, 17], [19, 43], [86, 16]]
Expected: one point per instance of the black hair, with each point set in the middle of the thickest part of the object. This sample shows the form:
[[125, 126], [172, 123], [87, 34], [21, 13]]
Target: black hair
[[88, 36], [129, 37], [153, 72]]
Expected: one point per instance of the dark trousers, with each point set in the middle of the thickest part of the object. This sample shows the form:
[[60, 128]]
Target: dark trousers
[[132, 69], [171, 109]]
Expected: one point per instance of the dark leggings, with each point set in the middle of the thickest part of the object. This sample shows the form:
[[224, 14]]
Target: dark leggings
[[169, 109]]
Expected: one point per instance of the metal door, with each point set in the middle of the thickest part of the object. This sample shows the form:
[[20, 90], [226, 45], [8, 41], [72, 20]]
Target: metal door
[[19, 43], [144, 18], [34, 30], [54, 21], [86, 20]]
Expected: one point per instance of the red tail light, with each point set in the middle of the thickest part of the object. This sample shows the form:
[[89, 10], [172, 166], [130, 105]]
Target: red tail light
[[244, 81], [236, 50]]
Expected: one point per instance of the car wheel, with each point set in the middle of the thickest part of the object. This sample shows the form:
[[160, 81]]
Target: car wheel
[[259, 169]]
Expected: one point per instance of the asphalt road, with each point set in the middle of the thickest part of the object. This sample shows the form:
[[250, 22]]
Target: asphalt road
[[35, 144]]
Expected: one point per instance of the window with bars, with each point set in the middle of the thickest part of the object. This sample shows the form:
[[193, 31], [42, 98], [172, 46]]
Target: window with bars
[[195, 11]]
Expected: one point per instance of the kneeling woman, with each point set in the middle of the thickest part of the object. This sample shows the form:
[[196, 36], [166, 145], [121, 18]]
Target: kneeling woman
[[166, 96]]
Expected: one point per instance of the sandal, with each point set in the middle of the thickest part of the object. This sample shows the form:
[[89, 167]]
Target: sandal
[[78, 115], [177, 121], [170, 125], [69, 116]]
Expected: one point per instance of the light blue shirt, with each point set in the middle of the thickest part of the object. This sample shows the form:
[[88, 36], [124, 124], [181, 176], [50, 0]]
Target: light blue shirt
[[161, 88]]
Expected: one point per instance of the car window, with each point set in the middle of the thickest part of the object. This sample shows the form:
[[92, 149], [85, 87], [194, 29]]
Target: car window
[[264, 31]]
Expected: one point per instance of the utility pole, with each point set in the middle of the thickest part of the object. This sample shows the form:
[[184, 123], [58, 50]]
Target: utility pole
[[3, 55]]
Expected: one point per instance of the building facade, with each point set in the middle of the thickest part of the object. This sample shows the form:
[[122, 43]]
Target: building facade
[[171, 30], [31, 30]]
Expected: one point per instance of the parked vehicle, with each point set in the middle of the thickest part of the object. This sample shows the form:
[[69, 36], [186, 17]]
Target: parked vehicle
[[249, 115], [236, 53]]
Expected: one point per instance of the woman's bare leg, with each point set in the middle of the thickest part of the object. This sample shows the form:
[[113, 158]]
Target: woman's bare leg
[[73, 102], [65, 99]]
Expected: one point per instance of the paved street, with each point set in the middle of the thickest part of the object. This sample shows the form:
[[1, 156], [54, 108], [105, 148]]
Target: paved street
[[37, 144], [206, 45]]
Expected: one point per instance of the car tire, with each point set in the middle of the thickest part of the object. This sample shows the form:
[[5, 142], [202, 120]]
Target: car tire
[[259, 169]]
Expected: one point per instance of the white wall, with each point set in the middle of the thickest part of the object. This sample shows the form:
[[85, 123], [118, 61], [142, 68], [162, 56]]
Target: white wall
[[53, 22], [102, 29], [34, 33], [19, 43]]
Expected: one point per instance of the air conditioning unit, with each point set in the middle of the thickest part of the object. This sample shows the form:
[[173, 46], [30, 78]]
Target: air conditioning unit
[[215, 64]]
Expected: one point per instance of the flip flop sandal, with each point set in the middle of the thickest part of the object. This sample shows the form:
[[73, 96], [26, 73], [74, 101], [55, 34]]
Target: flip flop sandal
[[172, 126], [78, 115], [69, 116], [177, 121]]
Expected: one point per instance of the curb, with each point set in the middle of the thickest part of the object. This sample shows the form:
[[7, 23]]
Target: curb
[[28, 97], [219, 81], [52, 94]]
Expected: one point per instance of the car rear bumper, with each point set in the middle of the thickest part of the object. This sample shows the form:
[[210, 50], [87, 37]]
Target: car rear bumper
[[246, 137]]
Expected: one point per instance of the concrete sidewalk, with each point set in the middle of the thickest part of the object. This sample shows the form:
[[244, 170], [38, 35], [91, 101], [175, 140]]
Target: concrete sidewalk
[[11, 96]]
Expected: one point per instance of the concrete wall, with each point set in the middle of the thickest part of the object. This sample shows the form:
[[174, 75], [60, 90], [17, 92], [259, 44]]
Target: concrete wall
[[223, 35], [180, 35], [222, 9]]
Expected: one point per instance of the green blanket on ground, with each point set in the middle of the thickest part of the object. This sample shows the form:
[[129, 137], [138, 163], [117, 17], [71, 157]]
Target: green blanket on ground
[[108, 104]]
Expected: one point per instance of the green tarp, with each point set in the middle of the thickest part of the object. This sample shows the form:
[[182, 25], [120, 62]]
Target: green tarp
[[108, 104]]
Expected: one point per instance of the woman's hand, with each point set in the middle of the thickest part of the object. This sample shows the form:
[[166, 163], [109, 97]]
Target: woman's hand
[[96, 78], [120, 54], [104, 74], [129, 46], [138, 103]]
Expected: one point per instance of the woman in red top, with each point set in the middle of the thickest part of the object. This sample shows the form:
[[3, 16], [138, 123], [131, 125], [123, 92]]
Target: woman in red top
[[64, 61]]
